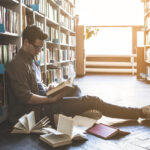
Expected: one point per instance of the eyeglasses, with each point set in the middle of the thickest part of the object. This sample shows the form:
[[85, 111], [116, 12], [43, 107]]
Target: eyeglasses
[[37, 47]]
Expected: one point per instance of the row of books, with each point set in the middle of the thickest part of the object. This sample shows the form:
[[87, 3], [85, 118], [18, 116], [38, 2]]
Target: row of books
[[72, 40], [37, 5], [27, 18], [53, 34], [63, 38], [65, 55], [69, 71], [7, 52], [41, 58], [58, 75], [67, 7], [30, 2], [53, 75], [67, 39], [67, 22], [64, 21], [53, 55], [51, 12], [9, 19], [72, 25], [39, 24]]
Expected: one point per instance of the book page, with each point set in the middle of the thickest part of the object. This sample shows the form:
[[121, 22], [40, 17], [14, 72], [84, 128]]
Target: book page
[[42, 123], [57, 88], [65, 125], [22, 120], [18, 125], [62, 85], [83, 122], [30, 120], [51, 130], [19, 131], [56, 140], [78, 134]]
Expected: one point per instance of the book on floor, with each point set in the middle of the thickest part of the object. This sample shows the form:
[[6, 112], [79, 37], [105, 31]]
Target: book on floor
[[68, 129], [27, 124], [105, 131], [60, 87]]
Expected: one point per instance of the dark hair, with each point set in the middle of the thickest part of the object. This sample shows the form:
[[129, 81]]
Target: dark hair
[[32, 32]]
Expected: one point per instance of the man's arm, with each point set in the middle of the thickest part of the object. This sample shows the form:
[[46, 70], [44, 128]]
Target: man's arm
[[37, 99]]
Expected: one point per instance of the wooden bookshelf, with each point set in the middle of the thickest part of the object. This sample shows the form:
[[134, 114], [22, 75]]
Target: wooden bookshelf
[[48, 18], [145, 53]]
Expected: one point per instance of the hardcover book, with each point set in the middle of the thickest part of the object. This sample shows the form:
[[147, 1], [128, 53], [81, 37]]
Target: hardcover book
[[68, 129], [105, 131], [60, 87]]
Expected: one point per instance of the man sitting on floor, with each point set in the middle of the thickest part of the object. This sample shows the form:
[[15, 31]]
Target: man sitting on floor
[[27, 92]]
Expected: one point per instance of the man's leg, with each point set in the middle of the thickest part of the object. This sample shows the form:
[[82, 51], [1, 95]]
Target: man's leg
[[73, 91], [78, 105]]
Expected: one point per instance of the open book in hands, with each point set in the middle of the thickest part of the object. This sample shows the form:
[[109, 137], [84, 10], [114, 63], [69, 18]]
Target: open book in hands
[[60, 87], [26, 124], [68, 129]]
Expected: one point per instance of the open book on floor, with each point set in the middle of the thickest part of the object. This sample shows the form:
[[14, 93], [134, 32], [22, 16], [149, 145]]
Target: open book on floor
[[60, 87], [105, 131], [68, 129], [26, 124]]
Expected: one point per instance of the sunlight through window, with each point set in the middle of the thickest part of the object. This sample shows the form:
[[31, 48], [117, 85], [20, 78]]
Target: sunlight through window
[[110, 13]]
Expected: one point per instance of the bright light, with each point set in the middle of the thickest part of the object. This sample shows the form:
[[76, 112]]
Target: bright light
[[111, 12], [110, 41]]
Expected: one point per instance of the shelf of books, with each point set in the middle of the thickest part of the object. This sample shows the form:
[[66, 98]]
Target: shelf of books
[[10, 40], [56, 18], [146, 75]]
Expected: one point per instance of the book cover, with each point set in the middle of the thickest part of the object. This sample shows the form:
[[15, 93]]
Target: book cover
[[62, 86], [105, 131]]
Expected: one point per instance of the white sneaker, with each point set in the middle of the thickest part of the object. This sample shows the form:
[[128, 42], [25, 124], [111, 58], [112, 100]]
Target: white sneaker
[[146, 111]]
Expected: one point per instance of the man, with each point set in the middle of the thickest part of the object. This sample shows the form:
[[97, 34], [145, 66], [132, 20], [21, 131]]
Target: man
[[27, 91]]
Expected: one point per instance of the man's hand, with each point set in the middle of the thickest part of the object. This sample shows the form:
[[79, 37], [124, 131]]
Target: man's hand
[[57, 97], [50, 86], [38, 99]]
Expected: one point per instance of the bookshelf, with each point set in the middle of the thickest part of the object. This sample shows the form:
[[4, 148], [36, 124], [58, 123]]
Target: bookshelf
[[55, 17], [146, 73]]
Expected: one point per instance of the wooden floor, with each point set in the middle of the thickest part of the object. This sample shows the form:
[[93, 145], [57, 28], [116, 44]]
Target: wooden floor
[[117, 89]]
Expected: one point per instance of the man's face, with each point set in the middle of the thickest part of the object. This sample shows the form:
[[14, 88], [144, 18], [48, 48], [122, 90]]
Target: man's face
[[36, 47]]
